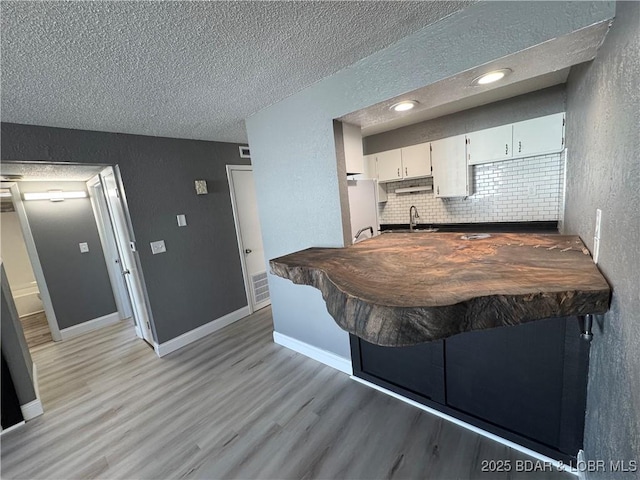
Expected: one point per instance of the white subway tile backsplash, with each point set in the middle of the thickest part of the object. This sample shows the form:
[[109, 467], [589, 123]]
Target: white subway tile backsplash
[[526, 189]]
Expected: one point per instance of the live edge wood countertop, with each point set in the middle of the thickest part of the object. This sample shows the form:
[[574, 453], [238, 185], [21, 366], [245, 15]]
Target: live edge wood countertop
[[399, 289]]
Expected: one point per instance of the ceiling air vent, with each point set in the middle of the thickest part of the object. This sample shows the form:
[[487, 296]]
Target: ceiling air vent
[[244, 152]]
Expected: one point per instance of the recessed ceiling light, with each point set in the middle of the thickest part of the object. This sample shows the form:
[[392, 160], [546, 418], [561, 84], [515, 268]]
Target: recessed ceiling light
[[492, 76], [403, 106]]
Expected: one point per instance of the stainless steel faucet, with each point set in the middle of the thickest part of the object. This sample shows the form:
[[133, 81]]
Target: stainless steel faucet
[[413, 214]]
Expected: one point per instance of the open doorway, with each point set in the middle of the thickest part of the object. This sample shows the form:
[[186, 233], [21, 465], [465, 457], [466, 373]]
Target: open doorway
[[22, 280], [77, 242]]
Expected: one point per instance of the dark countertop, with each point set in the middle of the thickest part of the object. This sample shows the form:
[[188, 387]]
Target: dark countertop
[[406, 288], [488, 227]]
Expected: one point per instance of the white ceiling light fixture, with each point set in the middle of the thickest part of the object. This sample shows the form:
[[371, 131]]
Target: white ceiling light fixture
[[403, 106], [492, 76], [54, 195]]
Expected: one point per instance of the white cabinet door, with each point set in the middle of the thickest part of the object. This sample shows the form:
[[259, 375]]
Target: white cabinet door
[[538, 136], [416, 161], [389, 165], [490, 145], [370, 167], [450, 170], [352, 139]]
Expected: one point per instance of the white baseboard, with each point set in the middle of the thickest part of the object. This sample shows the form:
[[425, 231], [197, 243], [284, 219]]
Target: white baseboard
[[330, 359], [12, 427], [538, 456], [89, 326], [34, 408], [200, 332]]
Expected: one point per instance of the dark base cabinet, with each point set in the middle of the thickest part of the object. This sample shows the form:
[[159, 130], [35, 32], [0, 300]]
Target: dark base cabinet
[[526, 383]]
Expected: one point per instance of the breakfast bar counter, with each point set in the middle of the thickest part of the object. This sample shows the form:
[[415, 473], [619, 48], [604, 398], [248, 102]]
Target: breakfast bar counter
[[400, 289]]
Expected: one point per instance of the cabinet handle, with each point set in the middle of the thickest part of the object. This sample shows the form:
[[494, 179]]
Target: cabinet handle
[[506, 149], [398, 173], [438, 190], [519, 147], [406, 174]]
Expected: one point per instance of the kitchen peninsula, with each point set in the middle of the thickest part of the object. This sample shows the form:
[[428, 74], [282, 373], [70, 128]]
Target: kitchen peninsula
[[401, 289], [481, 327]]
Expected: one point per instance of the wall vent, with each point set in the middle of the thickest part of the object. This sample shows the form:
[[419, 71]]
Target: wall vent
[[260, 288], [244, 152]]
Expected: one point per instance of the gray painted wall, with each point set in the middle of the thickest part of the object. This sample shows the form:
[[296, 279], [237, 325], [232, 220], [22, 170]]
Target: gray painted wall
[[78, 283], [603, 171], [523, 107], [298, 179], [199, 279], [14, 345]]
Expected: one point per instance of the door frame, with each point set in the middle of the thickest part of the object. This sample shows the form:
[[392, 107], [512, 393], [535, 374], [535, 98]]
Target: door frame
[[109, 247], [131, 242], [236, 222], [36, 266]]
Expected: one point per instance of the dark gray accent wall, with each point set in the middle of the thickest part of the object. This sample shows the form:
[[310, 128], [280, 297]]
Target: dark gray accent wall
[[78, 283], [603, 171], [199, 279], [14, 345], [523, 107]]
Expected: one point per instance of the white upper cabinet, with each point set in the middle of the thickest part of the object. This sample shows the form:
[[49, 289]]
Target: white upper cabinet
[[404, 163], [450, 169], [389, 165], [352, 139], [416, 161], [490, 145], [538, 136]]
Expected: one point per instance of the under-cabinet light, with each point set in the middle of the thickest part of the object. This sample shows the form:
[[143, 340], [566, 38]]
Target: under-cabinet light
[[54, 195]]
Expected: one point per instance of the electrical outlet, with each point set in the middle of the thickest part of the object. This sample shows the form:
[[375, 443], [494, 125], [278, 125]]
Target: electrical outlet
[[84, 247], [158, 247], [532, 190], [596, 236]]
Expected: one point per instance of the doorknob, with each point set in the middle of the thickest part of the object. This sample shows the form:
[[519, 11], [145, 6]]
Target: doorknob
[[247, 251], [126, 272]]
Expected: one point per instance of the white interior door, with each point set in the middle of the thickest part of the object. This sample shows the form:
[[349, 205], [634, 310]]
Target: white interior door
[[245, 212], [128, 261], [109, 246]]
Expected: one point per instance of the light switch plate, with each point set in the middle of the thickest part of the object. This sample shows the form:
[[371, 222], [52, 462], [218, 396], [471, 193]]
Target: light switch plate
[[84, 247], [182, 220], [201, 187], [158, 247]]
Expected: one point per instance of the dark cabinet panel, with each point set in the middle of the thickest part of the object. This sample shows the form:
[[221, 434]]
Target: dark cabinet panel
[[523, 379], [418, 369], [11, 412]]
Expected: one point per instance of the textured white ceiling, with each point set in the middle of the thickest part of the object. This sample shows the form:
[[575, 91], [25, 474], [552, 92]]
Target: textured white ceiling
[[45, 172], [184, 69]]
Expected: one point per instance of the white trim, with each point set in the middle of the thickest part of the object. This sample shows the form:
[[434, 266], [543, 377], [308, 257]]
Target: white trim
[[323, 356], [38, 273], [236, 222], [12, 427], [538, 456], [200, 332], [90, 325], [32, 409]]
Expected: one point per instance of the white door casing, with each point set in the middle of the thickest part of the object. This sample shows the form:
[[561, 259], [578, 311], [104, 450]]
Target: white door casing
[[109, 246], [245, 214], [124, 244]]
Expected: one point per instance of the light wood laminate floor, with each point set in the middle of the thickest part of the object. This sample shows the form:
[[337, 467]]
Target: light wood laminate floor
[[232, 405], [36, 329]]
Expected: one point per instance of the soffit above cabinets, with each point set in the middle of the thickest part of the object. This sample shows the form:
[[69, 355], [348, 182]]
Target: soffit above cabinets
[[535, 68]]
